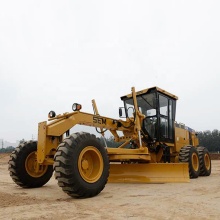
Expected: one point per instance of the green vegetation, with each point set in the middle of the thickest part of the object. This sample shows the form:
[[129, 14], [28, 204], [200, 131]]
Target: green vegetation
[[210, 140], [7, 149]]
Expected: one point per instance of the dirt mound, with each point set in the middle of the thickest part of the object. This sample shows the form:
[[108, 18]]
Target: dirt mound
[[17, 199], [215, 156]]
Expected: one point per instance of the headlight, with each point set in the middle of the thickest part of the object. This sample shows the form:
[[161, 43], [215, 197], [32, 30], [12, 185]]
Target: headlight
[[51, 114], [76, 107]]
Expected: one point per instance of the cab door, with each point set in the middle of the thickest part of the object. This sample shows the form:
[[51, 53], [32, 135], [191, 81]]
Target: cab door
[[166, 116]]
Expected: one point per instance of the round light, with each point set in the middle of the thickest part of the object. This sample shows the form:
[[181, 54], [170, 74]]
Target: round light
[[51, 114], [76, 107]]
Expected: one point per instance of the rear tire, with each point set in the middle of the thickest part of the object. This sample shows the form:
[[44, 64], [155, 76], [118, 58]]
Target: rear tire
[[81, 165], [189, 154], [22, 164], [204, 161]]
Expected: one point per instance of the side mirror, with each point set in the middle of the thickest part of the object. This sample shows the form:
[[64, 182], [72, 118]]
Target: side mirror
[[122, 112]]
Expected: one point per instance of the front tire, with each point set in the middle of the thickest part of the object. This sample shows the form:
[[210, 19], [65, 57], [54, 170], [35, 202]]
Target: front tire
[[81, 165], [205, 161], [22, 164], [189, 154]]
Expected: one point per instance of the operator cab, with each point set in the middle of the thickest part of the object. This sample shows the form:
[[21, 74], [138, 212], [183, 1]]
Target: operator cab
[[159, 108]]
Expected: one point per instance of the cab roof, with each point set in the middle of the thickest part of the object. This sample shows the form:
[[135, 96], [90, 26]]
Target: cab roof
[[144, 91]]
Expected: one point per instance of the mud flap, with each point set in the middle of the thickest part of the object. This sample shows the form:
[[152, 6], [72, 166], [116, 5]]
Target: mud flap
[[149, 173]]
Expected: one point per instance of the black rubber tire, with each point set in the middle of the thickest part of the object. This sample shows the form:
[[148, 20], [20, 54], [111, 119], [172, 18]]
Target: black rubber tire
[[67, 170], [204, 161], [189, 154], [17, 167]]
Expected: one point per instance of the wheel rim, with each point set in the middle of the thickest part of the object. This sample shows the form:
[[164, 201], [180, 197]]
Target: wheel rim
[[31, 166], [90, 164], [207, 161], [195, 162]]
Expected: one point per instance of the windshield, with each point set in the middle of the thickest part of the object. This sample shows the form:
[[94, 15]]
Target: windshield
[[159, 110], [146, 105]]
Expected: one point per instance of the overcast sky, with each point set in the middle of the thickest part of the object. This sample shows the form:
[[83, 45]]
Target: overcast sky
[[55, 53]]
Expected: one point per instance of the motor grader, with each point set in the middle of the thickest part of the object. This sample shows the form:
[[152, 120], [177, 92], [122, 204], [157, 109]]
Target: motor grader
[[153, 148]]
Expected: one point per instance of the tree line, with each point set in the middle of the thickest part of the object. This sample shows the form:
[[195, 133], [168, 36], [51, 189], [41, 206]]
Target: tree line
[[210, 140], [7, 149]]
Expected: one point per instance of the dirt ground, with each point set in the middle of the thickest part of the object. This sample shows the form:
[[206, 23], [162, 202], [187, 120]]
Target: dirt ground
[[199, 199]]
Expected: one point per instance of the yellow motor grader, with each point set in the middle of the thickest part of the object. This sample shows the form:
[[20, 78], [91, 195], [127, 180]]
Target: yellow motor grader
[[154, 148]]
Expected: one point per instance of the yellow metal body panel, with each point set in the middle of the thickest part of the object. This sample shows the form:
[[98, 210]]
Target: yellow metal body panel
[[63, 123], [46, 145], [181, 138], [195, 140], [42, 136], [127, 151], [184, 137], [149, 173], [120, 154]]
